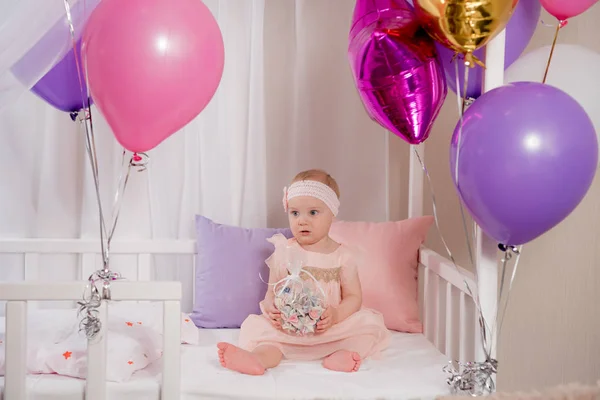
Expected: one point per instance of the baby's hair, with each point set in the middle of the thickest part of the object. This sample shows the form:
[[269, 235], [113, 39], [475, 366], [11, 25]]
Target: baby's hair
[[320, 176]]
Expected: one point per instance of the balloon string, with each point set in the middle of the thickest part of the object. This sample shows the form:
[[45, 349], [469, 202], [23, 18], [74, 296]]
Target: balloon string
[[475, 298], [90, 142], [509, 252], [464, 93], [121, 185], [510, 285], [137, 160], [558, 27]]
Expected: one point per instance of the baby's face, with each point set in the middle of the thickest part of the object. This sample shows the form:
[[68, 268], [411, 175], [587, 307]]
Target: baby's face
[[310, 219]]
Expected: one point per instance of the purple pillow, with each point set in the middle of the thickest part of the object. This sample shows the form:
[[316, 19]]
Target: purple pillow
[[228, 262]]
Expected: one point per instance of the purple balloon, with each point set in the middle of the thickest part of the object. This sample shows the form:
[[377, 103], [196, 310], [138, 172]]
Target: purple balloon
[[528, 155], [61, 87], [519, 32], [396, 68]]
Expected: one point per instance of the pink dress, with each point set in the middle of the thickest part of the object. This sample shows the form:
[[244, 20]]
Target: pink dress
[[363, 332]]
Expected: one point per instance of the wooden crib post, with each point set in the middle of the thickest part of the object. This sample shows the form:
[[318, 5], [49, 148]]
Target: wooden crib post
[[485, 247]]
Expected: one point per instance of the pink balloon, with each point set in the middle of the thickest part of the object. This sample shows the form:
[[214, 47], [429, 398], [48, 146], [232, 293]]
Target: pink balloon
[[565, 9], [396, 68], [152, 66]]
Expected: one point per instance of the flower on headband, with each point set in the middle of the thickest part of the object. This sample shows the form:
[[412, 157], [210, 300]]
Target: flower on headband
[[285, 199]]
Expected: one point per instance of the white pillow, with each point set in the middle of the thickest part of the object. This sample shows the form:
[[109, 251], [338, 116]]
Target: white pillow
[[44, 328], [36, 360], [150, 315], [125, 355], [140, 325]]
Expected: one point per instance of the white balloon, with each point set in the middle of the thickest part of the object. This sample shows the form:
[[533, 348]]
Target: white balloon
[[574, 69]]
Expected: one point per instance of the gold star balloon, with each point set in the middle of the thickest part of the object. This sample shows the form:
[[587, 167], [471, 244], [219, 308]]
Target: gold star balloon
[[464, 25]]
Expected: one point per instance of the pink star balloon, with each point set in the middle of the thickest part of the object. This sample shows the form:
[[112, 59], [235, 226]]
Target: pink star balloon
[[396, 68]]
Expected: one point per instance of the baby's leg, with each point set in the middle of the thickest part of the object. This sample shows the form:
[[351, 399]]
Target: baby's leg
[[350, 353], [250, 363], [343, 361], [269, 356]]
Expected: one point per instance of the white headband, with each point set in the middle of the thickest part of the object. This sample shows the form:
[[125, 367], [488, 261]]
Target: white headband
[[314, 189]]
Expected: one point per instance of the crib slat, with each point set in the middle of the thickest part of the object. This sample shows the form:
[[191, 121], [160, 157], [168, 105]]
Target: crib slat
[[425, 302], [144, 267], [96, 360], [16, 350], [433, 307], [452, 321], [441, 315], [171, 385]]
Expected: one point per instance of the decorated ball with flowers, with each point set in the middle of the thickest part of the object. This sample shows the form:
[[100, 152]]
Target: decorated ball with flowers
[[301, 306]]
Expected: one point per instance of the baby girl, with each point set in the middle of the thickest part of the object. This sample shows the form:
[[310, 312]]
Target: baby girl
[[346, 333]]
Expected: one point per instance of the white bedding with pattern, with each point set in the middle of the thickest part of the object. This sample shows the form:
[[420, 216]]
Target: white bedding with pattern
[[411, 368]]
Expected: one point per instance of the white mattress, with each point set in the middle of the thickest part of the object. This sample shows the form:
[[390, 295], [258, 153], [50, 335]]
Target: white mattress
[[410, 369]]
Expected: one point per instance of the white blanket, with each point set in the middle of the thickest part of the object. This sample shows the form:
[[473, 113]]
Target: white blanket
[[411, 368], [55, 345]]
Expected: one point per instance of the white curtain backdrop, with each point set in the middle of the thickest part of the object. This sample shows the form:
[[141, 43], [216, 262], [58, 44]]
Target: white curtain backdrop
[[286, 103]]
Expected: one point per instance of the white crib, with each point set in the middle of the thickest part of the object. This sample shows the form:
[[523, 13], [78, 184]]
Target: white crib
[[447, 312]]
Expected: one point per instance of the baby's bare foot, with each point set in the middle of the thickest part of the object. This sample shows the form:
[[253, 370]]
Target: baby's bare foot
[[343, 361], [239, 360]]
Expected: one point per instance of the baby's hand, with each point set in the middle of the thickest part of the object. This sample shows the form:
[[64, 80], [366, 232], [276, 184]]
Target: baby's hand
[[272, 312], [328, 319]]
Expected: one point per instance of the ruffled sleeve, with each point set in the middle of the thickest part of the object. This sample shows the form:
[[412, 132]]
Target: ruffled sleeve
[[276, 261]]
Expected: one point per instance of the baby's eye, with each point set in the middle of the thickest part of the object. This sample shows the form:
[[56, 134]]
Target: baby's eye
[[294, 213], [314, 212]]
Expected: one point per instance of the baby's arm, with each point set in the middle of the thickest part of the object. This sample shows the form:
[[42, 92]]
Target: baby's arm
[[351, 297]]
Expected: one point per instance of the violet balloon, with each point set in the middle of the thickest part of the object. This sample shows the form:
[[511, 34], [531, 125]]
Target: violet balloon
[[395, 68], [519, 32], [63, 87], [528, 155], [60, 86]]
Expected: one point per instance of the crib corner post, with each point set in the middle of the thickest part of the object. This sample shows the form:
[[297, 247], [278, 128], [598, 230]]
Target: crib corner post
[[171, 377], [16, 350], [486, 247], [95, 387]]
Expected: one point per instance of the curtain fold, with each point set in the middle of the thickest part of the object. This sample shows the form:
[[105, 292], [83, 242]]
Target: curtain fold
[[286, 102]]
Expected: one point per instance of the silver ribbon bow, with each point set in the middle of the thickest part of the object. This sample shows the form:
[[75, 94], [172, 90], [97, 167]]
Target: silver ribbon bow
[[92, 299], [472, 378]]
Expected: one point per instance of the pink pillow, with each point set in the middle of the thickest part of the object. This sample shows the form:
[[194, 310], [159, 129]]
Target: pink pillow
[[388, 274]]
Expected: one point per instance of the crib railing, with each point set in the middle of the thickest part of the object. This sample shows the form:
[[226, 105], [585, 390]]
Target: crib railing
[[17, 295], [88, 250], [447, 309]]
